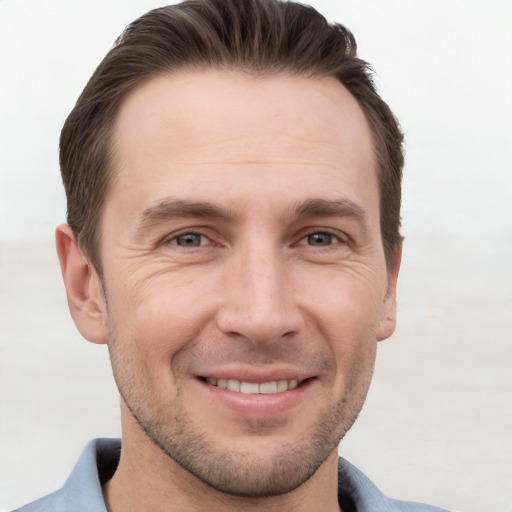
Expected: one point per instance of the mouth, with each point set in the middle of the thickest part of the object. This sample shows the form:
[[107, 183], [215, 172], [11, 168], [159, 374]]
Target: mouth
[[256, 397], [254, 388]]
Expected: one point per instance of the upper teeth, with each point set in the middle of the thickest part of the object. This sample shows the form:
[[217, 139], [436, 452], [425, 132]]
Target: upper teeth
[[275, 386]]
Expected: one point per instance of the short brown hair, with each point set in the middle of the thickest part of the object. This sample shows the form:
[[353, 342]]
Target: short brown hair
[[257, 36]]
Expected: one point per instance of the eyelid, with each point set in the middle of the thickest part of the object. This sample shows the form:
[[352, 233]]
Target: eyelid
[[339, 235], [202, 238], [172, 237]]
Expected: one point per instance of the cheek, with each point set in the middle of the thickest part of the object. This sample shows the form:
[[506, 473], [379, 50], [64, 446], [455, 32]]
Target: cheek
[[160, 316], [347, 313], [348, 304]]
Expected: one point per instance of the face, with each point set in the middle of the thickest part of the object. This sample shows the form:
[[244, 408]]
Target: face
[[244, 276]]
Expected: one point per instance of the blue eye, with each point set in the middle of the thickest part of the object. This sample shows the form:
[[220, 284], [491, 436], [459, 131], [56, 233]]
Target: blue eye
[[189, 240], [320, 239]]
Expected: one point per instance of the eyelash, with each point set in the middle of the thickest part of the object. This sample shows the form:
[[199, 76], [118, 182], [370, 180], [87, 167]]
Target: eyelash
[[337, 238], [173, 240]]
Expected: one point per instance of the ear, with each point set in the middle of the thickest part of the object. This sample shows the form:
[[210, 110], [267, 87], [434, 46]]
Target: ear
[[83, 287], [388, 320]]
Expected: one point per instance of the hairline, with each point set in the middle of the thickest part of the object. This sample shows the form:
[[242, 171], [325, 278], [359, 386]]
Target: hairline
[[110, 147]]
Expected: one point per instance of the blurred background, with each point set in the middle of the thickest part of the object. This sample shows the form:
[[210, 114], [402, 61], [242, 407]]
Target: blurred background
[[437, 425]]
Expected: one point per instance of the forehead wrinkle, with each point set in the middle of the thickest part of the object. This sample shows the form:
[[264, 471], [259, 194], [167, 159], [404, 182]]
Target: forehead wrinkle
[[169, 209]]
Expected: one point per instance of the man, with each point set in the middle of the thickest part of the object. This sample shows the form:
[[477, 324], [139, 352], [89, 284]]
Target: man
[[233, 186]]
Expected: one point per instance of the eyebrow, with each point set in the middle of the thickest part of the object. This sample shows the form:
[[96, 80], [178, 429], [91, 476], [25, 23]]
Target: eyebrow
[[170, 209], [330, 208]]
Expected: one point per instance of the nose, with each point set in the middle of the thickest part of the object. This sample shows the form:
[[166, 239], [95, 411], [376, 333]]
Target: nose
[[260, 304]]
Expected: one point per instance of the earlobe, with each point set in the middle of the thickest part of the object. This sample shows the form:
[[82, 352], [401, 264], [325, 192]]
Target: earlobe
[[388, 320], [83, 287]]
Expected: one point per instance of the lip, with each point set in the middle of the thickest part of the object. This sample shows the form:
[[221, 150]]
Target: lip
[[253, 374], [257, 406]]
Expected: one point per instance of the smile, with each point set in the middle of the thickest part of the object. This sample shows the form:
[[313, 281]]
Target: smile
[[251, 388]]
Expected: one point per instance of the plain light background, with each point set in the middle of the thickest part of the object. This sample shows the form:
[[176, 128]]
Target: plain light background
[[437, 425]]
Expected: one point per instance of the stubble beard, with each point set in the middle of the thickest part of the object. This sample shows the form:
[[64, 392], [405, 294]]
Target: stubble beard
[[238, 472]]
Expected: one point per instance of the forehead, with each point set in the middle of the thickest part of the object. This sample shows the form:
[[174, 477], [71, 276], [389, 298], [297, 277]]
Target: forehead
[[205, 129]]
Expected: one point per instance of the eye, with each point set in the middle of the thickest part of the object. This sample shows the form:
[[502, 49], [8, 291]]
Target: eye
[[320, 239], [189, 240]]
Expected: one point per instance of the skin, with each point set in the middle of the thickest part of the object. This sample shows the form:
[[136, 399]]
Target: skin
[[241, 239]]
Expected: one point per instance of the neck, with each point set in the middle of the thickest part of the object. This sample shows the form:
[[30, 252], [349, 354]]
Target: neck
[[147, 479]]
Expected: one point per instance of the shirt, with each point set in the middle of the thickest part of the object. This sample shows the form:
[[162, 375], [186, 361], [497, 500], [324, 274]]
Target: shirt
[[99, 459]]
